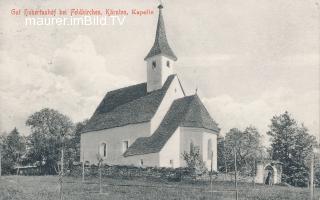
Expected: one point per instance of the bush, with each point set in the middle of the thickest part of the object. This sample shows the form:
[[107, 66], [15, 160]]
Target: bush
[[128, 172]]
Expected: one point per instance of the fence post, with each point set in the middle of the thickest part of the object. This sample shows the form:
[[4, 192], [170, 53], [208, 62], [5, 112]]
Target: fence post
[[82, 167], [61, 175], [0, 162], [211, 174], [311, 177], [235, 173]]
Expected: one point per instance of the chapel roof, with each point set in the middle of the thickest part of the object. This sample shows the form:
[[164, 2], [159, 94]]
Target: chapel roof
[[161, 45], [129, 105], [184, 112]]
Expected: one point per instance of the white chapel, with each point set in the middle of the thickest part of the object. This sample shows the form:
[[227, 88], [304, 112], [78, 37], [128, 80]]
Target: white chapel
[[152, 123]]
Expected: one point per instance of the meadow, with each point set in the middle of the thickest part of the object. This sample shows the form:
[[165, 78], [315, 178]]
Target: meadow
[[47, 188]]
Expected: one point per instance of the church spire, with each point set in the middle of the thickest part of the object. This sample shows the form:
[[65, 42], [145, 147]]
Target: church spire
[[160, 45]]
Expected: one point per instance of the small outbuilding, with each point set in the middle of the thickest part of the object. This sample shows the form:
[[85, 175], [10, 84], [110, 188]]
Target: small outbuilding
[[269, 172]]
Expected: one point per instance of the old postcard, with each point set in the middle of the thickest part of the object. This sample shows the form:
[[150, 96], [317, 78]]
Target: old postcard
[[211, 99]]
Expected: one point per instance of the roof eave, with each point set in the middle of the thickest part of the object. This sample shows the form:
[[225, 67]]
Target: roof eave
[[172, 57]]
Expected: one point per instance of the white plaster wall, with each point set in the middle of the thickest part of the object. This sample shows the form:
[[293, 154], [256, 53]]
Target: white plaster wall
[[188, 135], [149, 160], [206, 136], [114, 138], [171, 151], [157, 77], [154, 79], [166, 71], [174, 92], [199, 137], [259, 174]]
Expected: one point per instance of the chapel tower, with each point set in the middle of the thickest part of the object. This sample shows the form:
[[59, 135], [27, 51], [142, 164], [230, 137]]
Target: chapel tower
[[160, 58]]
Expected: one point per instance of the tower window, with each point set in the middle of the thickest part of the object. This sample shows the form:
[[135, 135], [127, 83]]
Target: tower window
[[168, 63], [154, 64]]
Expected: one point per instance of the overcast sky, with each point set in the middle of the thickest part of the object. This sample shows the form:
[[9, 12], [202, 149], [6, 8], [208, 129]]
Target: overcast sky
[[250, 59]]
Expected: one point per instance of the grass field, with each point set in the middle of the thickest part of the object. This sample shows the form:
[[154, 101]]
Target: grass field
[[46, 187]]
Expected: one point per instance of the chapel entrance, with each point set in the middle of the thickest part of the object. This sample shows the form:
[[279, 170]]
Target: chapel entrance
[[270, 174]]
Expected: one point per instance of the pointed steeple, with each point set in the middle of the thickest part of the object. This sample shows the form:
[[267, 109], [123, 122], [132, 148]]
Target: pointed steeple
[[160, 45]]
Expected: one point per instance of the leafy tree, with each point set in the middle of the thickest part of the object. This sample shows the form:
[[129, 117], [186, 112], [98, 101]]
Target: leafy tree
[[12, 148], [246, 144], [50, 132], [194, 161], [292, 145], [76, 137], [221, 160]]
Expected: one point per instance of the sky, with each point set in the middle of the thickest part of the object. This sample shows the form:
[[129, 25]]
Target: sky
[[250, 60]]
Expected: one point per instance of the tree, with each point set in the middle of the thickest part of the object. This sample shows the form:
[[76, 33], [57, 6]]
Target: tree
[[75, 140], [292, 145], [13, 148], [246, 144], [50, 132], [194, 161], [221, 160]]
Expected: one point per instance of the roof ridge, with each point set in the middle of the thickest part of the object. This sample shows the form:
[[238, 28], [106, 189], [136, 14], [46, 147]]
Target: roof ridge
[[164, 88], [126, 87], [137, 99], [205, 109], [135, 106], [159, 132]]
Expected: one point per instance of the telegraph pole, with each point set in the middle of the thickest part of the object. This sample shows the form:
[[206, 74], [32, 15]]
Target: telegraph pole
[[0, 162], [211, 173], [318, 7]]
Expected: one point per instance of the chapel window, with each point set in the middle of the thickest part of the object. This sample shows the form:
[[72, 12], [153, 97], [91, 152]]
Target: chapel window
[[210, 149], [125, 145], [103, 150], [171, 163]]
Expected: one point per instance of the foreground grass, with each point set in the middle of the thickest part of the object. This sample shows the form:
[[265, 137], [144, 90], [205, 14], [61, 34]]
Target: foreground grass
[[46, 188]]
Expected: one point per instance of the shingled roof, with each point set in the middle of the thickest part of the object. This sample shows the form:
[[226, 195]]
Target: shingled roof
[[161, 45], [184, 112], [129, 105]]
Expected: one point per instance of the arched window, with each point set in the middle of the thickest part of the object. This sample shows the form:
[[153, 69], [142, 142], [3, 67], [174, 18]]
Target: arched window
[[191, 146], [168, 63], [125, 146], [210, 149], [103, 150], [154, 65], [171, 163]]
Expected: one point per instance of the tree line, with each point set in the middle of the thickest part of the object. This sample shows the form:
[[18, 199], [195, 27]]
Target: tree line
[[291, 144], [51, 131]]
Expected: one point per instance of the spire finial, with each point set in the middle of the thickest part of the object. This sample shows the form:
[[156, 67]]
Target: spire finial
[[160, 5], [160, 45]]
